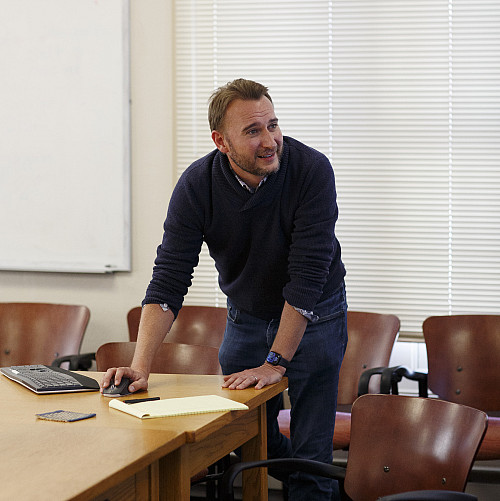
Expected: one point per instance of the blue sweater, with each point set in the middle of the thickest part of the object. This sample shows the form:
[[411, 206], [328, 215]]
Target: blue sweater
[[274, 245]]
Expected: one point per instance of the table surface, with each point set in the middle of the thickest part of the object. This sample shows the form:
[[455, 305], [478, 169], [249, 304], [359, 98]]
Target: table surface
[[48, 460]]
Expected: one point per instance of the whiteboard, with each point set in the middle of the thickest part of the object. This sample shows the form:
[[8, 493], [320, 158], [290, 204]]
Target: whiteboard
[[65, 135]]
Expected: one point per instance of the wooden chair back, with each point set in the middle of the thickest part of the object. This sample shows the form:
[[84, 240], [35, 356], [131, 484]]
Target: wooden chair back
[[201, 325], [37, 333], [133, 320], [401, 443], [171, 358], [463, 353], [371, 339]]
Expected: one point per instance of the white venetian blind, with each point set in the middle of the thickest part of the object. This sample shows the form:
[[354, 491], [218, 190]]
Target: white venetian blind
[[475, 156], [404, 99]]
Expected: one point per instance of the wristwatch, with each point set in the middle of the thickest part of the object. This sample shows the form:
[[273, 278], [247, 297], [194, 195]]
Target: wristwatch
[[274, 358]]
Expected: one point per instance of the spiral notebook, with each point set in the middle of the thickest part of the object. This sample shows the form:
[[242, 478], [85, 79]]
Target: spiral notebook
[[178, 406]]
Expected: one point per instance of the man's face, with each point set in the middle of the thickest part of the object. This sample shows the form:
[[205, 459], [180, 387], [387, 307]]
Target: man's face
[[251, 139]]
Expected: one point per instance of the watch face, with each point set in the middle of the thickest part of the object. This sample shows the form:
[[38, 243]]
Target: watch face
[[273, 358]]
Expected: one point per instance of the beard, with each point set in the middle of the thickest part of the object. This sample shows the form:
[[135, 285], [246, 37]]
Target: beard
[[250, 165]]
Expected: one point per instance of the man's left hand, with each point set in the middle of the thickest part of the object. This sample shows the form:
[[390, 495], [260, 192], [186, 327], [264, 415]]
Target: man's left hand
[[259, 377]]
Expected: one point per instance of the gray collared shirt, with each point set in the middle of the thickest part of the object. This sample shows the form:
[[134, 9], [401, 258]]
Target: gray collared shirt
[[245, 185]]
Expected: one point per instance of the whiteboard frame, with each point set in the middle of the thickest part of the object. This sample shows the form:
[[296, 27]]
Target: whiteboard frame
[[122, 252]]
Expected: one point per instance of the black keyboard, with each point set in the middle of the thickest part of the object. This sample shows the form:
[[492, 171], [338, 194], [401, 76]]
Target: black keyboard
[[44, 379]]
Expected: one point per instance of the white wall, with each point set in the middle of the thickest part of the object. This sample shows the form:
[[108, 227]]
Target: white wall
[[109, 297]]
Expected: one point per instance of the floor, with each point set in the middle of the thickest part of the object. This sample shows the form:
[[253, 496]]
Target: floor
[[197, 494], [274, 492]]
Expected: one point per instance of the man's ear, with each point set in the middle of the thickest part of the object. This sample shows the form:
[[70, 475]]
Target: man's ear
[[218, 139]]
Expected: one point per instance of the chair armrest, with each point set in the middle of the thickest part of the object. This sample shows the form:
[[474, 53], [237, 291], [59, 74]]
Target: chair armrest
[[285, 464], [82, 362], [364, 380], [390, 377], [393, 375]]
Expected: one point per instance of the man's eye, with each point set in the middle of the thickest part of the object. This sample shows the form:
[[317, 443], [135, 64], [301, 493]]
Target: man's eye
[[273, 126]]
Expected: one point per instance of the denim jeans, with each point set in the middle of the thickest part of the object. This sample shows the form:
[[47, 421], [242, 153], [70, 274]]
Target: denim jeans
[[312, 386]]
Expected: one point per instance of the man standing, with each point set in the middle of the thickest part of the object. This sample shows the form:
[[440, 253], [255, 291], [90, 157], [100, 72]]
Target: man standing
[[266, 207]]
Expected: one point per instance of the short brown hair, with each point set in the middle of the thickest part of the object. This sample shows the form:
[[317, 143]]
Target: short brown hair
[[225, 95]]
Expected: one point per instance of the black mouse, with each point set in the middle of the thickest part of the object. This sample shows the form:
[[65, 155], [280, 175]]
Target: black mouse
[[117, 391]]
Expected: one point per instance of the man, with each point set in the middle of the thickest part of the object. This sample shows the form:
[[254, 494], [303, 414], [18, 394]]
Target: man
[[266, 207]]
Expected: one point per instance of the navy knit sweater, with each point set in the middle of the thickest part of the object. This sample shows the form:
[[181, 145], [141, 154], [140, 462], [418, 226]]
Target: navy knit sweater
[[274, 245]]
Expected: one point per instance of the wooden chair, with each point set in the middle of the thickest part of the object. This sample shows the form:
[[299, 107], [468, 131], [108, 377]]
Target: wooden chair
[[171, 358], [463, 353], [371, 339], [398, 444], [202, 325], [37, 333]]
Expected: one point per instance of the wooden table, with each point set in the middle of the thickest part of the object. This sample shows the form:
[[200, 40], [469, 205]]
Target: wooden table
[[116, 456]]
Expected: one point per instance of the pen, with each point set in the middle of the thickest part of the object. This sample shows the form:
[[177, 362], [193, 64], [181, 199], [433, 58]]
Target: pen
[[138, 400]]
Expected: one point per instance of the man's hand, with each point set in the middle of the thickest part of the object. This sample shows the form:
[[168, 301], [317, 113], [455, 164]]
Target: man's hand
[[138, 379], [259, 377]]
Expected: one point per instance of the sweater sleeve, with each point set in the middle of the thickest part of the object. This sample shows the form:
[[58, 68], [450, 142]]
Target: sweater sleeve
[[313, 243], [178, 253]]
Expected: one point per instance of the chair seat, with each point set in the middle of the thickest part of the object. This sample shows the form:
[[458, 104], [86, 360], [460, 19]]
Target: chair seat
[[489, 449], [342, 432]]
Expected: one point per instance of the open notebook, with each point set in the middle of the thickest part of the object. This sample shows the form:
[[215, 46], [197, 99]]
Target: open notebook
[[178, 406]]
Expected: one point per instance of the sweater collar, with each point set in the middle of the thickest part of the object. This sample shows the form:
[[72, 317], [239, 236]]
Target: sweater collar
[[267, 191]]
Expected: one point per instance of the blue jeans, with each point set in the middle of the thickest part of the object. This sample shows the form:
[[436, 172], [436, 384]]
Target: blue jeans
[[312, 386]]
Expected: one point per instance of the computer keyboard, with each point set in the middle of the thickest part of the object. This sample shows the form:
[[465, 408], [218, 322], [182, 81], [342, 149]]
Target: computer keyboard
[[45, 379]]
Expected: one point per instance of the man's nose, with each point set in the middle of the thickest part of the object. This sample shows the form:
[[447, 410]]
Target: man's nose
[[268, 140]]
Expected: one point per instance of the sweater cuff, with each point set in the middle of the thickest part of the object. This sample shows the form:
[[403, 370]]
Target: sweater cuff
[[307, 314]]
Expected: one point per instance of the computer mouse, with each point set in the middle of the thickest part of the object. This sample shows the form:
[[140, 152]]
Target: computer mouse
[[119, 390]]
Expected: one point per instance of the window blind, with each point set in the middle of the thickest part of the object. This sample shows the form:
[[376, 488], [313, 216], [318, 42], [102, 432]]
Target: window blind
[[404, 99]]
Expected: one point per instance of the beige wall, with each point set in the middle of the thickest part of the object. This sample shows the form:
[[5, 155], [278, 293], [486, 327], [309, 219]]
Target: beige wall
[[109, 297]]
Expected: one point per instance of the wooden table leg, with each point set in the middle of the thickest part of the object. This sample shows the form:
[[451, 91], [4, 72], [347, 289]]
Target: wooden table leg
[[147, 488], [255, 479], [175, 478], [174, 470]]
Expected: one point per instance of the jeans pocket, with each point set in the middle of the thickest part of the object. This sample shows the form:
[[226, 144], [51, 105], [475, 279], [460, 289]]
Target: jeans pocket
[[333, 307], [233, 313]]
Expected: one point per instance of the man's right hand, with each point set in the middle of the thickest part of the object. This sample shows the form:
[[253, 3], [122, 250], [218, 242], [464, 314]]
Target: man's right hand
[[139, 380]]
